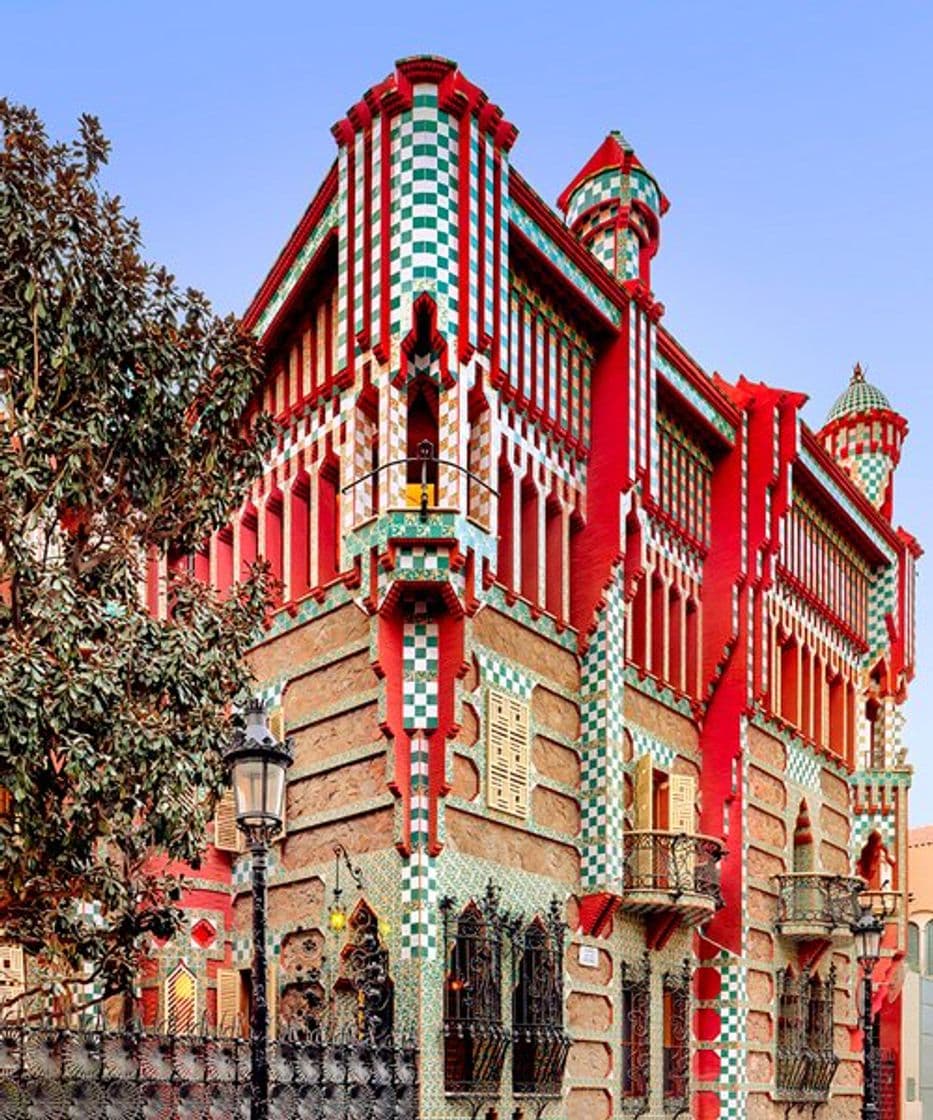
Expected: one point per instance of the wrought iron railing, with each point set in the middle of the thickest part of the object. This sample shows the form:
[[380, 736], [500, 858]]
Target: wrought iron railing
[[814, 898], [673, 863], [57, 1074]]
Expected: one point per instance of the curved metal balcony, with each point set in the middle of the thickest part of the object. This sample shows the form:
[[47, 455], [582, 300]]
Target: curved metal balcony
[[814, 905], [672, 871]]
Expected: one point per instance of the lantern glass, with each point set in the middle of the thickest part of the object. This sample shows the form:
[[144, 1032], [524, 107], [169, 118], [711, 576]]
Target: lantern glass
[[258, 764], [868, 931]]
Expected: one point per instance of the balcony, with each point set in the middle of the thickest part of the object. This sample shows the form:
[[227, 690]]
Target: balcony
[[813, 906], [671, 873]]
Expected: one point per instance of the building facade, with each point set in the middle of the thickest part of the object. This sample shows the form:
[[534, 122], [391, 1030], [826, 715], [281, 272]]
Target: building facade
[[918, 979], [593, 660]]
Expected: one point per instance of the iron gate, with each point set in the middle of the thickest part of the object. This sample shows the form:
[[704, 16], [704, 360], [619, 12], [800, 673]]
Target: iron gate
[[102, 1075]]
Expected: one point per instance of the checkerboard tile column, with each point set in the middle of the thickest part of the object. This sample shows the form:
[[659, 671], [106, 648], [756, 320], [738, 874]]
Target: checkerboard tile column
[[602, 730]]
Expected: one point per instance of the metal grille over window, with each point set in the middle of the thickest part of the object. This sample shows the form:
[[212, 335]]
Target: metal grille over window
[[540, 1043], [806, 1061], [364, 991], [507, 730], [676, 987], [636, 1033], [475, 1039]]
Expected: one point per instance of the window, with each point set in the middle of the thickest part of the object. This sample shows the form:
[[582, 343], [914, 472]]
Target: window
[[913, 946], [230, 1015], [806, 1062], [636, 1032], [181, 1001], [507, 753], [475, 1040], [928, 950], [539, 1042], [364, 992], [676, 989]]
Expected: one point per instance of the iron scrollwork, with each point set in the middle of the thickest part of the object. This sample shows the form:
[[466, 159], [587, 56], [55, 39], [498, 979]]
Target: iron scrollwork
[[636, 1034], [475, 1038], [676, 988], [540, 1043], [806, 1059]]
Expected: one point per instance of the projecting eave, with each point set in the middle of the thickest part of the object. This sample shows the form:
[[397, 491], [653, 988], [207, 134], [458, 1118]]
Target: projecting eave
[[278, 274]]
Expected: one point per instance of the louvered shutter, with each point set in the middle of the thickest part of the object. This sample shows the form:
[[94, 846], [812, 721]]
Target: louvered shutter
[[507, 753], [682, 789], [228, 1003], [12, 981], [642, 854], [643, 808], [227, 837]]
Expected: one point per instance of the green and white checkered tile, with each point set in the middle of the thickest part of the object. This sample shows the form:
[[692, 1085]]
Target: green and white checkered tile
[[420, 704], [498, 673], [422, 558], [802, 767], [873, 472], [864, 824], [643, 742], [420, 643]]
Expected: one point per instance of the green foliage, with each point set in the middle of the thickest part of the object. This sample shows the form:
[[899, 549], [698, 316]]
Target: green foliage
[[121, 435]]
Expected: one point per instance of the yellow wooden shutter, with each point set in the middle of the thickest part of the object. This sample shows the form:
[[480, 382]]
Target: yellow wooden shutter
[[227, 837], [12, 981], [228, 1003], [272, 997], [507, 753], [682, 802], [681, 811], [643, 807]]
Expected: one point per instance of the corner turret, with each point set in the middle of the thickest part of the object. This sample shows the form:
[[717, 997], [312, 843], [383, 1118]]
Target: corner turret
[[614, 206], [864, 435]]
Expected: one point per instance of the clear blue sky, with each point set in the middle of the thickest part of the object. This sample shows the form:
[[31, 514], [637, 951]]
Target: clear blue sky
[[794, 139]]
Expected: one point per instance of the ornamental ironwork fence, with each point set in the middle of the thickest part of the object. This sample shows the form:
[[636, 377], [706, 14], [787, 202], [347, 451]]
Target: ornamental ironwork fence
[[60, 1074]]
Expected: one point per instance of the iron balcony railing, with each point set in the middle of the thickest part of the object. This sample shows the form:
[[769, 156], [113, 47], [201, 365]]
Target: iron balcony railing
[[815, 902], [673, 864]]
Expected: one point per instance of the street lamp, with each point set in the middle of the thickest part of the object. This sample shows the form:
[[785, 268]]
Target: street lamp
[[257, 765], [867, 931]]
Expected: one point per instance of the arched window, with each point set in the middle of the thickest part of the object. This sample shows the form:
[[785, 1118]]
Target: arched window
[[364, 991], [475, 1040], [913, 946], [328, 521], [299, 542], [928, 950], [423, 408], [539, 1042], [181, 990], [249, 540], [505, 566], [272, 528]]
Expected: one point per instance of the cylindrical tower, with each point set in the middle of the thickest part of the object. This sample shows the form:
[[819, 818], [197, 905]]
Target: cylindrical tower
[[614, 206], [864, 435]]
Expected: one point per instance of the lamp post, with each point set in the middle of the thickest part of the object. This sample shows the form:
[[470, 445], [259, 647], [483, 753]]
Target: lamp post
[[867, 931], [257, 765]]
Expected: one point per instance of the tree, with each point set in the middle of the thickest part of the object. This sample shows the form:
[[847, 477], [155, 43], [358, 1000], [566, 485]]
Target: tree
[[122, 436]]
